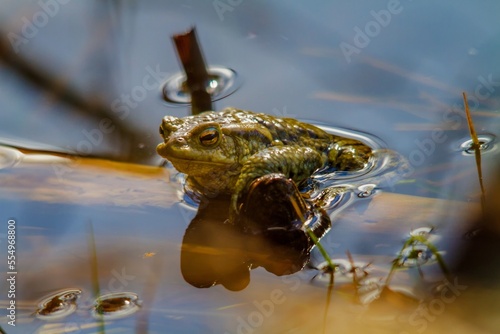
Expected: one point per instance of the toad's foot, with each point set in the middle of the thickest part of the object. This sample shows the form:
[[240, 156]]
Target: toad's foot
[[294, 162]]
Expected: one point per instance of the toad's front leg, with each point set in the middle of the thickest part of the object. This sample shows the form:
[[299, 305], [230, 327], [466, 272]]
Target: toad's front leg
[[294, 162]]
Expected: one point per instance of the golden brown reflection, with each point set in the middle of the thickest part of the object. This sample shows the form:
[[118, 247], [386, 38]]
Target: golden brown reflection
[[267, 234]]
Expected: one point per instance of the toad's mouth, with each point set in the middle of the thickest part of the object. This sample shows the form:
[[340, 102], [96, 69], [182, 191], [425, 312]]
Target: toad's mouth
[[183, 160], [185, 154], [207, 170], [193, 165]]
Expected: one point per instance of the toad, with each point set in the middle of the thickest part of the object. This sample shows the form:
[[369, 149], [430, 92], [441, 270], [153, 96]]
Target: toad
[[222, 153]]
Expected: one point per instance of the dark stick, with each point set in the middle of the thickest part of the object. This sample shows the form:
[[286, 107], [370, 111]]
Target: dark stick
[[189, 52]]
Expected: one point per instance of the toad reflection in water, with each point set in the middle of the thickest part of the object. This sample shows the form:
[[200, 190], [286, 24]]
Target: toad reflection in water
[[270, 233], [244, 168]]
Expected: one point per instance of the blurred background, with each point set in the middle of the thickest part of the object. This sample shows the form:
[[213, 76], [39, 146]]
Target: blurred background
[[333, 63], [87, 78]]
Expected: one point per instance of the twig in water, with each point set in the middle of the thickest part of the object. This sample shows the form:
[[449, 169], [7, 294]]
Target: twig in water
[[476, 145], [94, 270], [331, 267], [189, 52]]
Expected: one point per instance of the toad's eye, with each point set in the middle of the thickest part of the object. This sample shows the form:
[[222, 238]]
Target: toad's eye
[[209, 136]]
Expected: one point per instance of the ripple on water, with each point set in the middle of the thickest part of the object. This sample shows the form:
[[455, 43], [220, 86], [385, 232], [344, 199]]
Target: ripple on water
[[366, 190], [385, 168], [9, 157], [109, 306], [419, 250], [58, 305], [222, 83], [487, 144], [115, 305], [416, 255], [428, 233], [345, 270]]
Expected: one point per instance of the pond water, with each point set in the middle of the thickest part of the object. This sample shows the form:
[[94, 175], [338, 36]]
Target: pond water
[[100, 220]]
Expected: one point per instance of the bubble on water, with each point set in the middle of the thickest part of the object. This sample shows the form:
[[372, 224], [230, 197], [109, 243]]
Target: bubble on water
[[415, 255], [115, 305], [428, 233], [58, 305], [222, 83], [344, 271], [366, 190], [486, 145]]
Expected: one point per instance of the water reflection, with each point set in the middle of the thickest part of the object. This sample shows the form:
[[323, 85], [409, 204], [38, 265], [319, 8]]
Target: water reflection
[[58, 305], [415, 255], [486, 142], [115, 305], [270, 233], [109, 306]]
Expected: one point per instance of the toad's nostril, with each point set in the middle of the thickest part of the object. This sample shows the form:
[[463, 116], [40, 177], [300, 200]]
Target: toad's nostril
[[177, 141]]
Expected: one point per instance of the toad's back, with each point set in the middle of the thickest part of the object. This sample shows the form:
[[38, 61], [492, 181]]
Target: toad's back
[[284, 131]]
